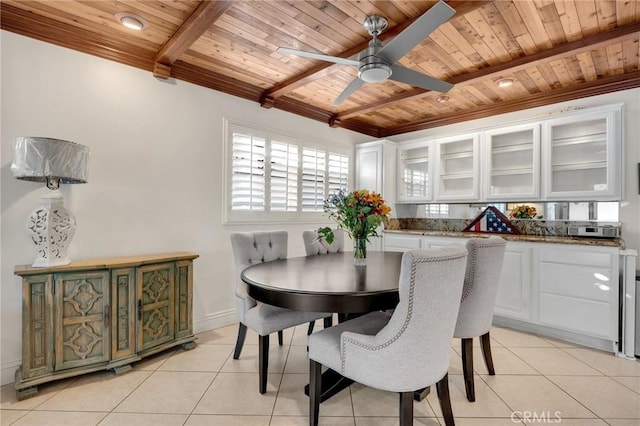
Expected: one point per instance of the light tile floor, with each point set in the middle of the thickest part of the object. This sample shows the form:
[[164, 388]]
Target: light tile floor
[[538, 381]]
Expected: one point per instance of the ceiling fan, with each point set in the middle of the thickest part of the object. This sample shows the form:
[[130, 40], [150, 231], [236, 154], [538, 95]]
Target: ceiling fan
[[378, 63]]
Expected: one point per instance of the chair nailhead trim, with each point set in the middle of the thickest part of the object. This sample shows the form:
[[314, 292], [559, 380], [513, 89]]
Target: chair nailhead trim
[[468, 283], [409, 309]]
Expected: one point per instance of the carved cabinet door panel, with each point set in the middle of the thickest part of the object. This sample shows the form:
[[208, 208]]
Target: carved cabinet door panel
[[184, 300], [82, 319], [37, 326], [123, 313], [156, 305]]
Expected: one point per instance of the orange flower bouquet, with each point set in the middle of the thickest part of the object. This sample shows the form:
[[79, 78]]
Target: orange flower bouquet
[[523, 212], [360, 213]]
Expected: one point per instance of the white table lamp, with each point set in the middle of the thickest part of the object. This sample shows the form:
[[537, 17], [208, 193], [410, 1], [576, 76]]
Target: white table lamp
[[53, 161]]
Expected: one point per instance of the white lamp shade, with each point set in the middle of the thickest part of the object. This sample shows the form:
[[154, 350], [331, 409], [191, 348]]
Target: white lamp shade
[[37, 159]]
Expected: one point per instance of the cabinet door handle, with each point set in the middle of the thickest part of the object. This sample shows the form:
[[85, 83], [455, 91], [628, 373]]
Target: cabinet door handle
[[139, 309], [107, 316]]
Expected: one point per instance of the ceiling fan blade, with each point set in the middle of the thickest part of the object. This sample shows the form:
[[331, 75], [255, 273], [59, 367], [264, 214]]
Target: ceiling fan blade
[[405, 75], [416, 32], [352, 87], [319, 56]]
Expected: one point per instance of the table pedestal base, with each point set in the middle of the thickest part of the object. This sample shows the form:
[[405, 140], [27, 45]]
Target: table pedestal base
[[332, 383]]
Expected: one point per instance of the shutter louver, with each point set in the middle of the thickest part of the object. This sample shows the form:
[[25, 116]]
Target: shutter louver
[[338, 172], [248, 175], [313, 180], [284, 177]]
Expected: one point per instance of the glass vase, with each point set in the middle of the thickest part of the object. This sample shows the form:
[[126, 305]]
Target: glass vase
[[359, 251]]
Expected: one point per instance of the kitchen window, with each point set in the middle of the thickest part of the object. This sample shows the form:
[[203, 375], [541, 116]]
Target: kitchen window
[[274, 177]]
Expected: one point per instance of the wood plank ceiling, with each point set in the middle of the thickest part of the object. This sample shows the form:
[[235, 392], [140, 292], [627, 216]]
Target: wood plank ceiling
[[552, 50]]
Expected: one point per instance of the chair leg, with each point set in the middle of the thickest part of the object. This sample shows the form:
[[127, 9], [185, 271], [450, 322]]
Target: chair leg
[[406, 408], [467, 368], [263, 361], [315, 382], [310, 329], [445, 401], [328, 322], [242, 333], [485, 344], [280, 338]]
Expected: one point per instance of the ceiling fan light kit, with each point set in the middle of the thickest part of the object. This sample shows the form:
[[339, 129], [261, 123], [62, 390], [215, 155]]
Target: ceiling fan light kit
[[442, 98], [377, 63]]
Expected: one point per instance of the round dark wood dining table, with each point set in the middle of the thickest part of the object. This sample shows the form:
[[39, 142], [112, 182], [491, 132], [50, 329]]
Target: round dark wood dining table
[[327, 283]]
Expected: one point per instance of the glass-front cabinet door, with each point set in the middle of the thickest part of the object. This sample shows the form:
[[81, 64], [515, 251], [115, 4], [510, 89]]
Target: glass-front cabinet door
[[582, 156], [457, 168], [414, 182], [511, 168]]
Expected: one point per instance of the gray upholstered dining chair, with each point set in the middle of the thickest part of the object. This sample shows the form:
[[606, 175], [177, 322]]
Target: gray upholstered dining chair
[[481, 282], [250, 248], [403, 351], [313, 245]]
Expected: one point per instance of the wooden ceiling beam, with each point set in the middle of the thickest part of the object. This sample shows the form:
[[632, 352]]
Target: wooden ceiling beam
[[583, 90], [200, 20], [320, 70], [574, 48]]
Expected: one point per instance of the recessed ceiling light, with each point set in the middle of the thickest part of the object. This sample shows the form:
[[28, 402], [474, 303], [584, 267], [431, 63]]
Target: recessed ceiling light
[[442, 98], [504, 82], [131, 20]]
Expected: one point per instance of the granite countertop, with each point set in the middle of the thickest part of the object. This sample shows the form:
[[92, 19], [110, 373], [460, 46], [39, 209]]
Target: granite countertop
[[608, 242]]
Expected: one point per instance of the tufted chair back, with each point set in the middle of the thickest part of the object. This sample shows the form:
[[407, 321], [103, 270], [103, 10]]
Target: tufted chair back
[[313, 246], [250, 248], [481, 282]]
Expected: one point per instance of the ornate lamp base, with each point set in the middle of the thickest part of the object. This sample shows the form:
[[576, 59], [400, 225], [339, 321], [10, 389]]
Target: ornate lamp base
[[51, 227]]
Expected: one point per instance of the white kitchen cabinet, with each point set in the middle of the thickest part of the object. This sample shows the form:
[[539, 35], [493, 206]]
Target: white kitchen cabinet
[[401, 242], [376, 170], [582, 155], [457, 168], [578, 290], [415, 173], [568, 292], [513, 299], [511, 163]]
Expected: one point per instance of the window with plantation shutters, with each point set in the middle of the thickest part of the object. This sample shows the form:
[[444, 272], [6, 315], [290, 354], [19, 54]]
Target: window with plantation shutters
[[274, 177]]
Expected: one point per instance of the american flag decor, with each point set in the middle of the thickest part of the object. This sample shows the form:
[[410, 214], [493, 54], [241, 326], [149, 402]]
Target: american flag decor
[[491, 221]]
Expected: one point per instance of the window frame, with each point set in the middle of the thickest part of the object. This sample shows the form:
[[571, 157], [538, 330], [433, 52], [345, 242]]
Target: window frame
[[233, 217]]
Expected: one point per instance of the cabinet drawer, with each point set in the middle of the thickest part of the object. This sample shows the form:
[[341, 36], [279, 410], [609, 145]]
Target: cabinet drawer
[[581, 282], [401, 242], [589, 317], [576, 257]]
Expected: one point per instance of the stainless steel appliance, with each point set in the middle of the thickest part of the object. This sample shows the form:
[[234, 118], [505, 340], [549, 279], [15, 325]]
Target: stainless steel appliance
[[599, 231]]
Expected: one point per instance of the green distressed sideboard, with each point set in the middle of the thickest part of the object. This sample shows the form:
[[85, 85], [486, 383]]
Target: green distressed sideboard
[[102, 314]]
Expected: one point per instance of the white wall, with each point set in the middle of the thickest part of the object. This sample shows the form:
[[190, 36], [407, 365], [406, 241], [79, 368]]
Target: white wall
[[155, 172], [630, 205]]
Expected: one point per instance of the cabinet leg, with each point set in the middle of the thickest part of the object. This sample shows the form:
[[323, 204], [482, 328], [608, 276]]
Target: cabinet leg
[[189, 345], [26, 393], [122, 369]]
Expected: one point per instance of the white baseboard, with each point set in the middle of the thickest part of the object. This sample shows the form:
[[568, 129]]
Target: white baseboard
[[215, 320], [209, 322], [8, 371]]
